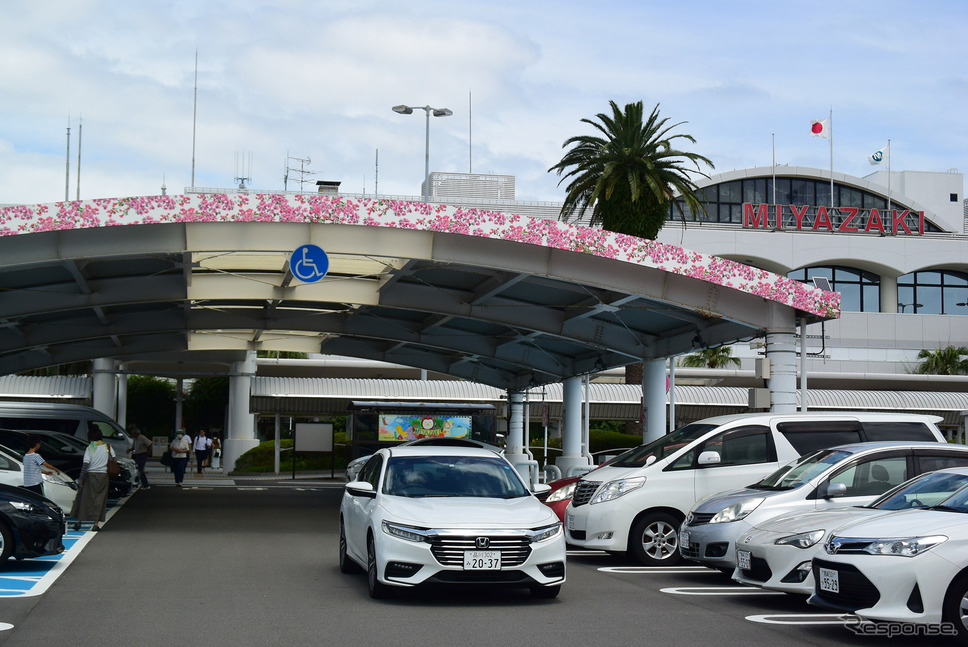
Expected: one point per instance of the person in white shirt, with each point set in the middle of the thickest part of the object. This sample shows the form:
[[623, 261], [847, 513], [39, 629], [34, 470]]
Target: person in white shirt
[[91, 502], [180, 448], [203, 444]]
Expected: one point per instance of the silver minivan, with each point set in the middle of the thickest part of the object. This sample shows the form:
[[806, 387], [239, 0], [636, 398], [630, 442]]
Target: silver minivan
[[73, 419]]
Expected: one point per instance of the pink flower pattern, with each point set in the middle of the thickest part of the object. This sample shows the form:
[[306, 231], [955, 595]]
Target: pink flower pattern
[[374, 212]]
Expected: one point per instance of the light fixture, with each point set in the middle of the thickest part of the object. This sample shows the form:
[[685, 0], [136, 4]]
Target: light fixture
[[437, 112]]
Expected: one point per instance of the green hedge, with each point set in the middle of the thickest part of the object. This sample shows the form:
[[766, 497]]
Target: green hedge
[[262, 459]]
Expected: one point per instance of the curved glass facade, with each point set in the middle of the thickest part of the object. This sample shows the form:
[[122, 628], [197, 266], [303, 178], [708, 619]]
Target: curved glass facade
[[860, 291], [724, 201], [933, 292]]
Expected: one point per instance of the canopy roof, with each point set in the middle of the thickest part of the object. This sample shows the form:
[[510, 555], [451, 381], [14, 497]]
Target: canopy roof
[[494, 298]]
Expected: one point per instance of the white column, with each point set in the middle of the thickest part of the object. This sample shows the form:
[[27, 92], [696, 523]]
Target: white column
[[122, 399], [782, 353], [888, 294], [804, 403], [572, 429], [240, 435], [654, 397], [179, 403], [104, 385], [514, 450]]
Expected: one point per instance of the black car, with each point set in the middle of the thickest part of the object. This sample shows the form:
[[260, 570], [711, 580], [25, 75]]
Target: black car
[[30, 525], [66, 456], [63, 451]]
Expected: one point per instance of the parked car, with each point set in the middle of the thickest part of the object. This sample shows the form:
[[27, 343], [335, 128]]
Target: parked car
[[30, 525], [637, 503], [354, 466], [427, 514], [73, 419], [58, 487], [559, 496], [847, 475], [906, 567], [776, 554]]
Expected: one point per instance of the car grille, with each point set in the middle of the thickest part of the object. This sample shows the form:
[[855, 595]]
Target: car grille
[[699, 518], [690, 550], [759, 570], [583, 492], [856, 591], [449, 550]]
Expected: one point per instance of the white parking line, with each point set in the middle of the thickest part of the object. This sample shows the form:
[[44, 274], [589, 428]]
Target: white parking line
[[657, 570], [718, 590], [802, 618]]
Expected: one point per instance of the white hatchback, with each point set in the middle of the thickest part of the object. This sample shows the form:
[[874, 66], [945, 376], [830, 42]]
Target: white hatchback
[[907, 567], [448, 515]]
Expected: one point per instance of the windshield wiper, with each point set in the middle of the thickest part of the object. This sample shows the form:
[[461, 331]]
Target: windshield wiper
[[944, 508]]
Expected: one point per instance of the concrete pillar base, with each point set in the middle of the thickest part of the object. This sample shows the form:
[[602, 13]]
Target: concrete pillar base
[[232, 448], [573, 465]]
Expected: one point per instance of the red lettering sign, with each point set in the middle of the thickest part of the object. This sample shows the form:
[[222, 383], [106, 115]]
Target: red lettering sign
[[833, 219]]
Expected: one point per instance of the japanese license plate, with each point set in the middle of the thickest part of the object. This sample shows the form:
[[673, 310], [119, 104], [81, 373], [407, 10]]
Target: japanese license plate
[[684, 538], [829, 580], [482, 560], [570, 521], [744, 560]]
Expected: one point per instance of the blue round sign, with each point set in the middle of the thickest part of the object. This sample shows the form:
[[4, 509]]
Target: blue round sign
[[309, 263]]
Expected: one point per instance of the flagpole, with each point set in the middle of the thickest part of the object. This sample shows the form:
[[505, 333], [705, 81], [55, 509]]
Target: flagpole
[[831, 157], [888, 175], [774, 178]]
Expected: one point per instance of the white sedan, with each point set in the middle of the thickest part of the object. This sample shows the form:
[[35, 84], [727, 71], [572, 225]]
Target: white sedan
[[907, 567], [776, 554], [448, 515]]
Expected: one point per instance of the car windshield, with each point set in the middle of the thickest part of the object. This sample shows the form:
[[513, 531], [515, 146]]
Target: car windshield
[[452, 476], [926, 490], [802, 470], [662, 447]]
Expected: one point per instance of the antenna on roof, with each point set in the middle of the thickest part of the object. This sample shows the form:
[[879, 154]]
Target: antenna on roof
[[241, 178], [302, 171]]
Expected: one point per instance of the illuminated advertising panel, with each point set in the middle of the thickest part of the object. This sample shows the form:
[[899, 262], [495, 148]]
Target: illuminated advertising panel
[[402, 427]]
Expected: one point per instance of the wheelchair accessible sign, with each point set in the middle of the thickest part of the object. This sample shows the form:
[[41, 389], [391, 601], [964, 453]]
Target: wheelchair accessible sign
[[309, 263]]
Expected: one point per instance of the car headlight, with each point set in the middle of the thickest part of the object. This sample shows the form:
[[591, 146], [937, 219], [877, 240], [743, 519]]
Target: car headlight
[[904, 547], [408, 533], [737, 511], [24, 506], [545, 533], [615, 489], [53, 478], [561, 493], [801, 540]]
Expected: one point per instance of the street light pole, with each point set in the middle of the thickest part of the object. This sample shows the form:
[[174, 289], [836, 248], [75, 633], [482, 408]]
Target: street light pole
[[437, 112]]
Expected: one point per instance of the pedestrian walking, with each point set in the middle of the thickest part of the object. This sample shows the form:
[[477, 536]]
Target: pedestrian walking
[[181, 447], [203, 445], [91, 502], [33, 464], [140, 450], [216, 461]]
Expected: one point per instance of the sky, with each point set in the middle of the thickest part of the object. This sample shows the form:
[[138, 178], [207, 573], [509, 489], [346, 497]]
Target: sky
[[289, 80]]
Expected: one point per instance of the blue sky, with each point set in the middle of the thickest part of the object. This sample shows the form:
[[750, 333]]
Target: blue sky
[[317, 80]]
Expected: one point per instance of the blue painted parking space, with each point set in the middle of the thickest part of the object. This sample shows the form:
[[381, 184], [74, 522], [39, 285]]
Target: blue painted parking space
[[32, 577]]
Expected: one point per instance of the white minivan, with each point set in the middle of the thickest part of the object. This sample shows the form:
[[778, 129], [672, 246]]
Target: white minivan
[[72, 419], [636, 503]]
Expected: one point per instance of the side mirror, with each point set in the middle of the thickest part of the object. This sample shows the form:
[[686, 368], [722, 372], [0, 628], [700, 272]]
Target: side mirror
[[651, 459], [541, 488], [835, 490], [710, 458], [361, 488]]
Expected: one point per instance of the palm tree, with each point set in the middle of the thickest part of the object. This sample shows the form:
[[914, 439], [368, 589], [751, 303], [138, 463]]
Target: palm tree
[[720, 357], [943, 361], [629, 176]]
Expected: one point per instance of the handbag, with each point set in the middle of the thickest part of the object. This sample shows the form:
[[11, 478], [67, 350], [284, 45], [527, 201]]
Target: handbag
[[114, 470]]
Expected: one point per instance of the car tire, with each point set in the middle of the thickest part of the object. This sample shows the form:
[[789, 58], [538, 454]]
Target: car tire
[[378, 590], [545, 592], [6, 543], [655, 540], [954, 609], [346, 563]]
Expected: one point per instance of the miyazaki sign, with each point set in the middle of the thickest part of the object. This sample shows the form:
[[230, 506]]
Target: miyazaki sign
[[833, 219]]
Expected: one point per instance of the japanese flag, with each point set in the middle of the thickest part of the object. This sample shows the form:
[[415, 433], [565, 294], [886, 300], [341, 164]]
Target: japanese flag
[[820, 128]]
